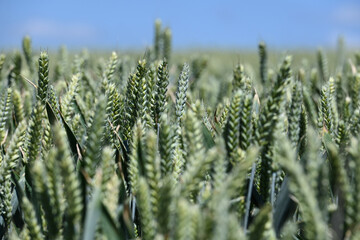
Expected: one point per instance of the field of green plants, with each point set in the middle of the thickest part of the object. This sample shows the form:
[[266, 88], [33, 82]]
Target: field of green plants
[[174, 145]]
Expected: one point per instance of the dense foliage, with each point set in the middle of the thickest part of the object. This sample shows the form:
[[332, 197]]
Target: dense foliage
[[154, 148]]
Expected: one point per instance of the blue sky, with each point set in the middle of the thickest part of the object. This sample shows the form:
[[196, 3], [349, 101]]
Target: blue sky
[[227, 23]]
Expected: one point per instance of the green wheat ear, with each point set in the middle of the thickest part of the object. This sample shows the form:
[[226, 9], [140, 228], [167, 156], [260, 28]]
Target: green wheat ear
[[185, 227], [162, 82], [340, 183], [301, 188], [94, 142], [2, 61], [245, 135], [238, 78], [167, 44], [40, 178], [157, 39], [14, 74], [30, 219], [70, 181], [19, 113], [148, 223], [323, 65], [231, 133], [26, 45], [5, 112], [68, 98], [43, 76], [183, 84], [325, 118], [295, 114], [152, 169], [110, 70], [268, 119], [165, 145], [132, 99], [5, 198], [262, 226], [54, 186], [135, 158], [263, 62], [353, 217], [114, 110]]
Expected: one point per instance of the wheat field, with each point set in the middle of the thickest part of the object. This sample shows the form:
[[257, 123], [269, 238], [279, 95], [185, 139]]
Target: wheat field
[[164, 144]]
